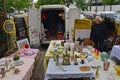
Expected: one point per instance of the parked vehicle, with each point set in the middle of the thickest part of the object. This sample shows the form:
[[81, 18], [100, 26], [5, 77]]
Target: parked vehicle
[[50, 22], [109, 14]]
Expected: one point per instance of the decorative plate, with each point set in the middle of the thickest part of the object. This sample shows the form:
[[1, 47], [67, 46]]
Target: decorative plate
[[85, 68], [29, 53], [18, 63], [2, 63], [95, 64]]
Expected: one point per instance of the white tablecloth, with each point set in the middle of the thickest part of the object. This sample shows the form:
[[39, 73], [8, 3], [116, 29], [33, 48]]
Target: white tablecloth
[[115, 51], [26, 70], [72, 71]]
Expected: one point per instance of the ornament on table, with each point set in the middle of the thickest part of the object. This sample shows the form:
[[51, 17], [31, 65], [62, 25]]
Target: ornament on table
[[73, 57], [54, 44], [11, 66], [83, 56], [75, 60], [66, 58], [26, 46], [104, 56], [3, 72], [7, 65], [57, 60], [62, 43], [97, 72], [16, 57], [16, 71]]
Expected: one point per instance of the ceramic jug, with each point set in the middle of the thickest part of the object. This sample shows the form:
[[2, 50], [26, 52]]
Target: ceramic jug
[[104, 56], [90, 58]]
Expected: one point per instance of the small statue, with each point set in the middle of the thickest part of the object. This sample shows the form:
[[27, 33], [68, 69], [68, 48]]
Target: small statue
[[75, 61], [57, 60], [10, 64], [97, 72], [62, 43], [73, 57], [54, 44], [16, 71], [66, 58], [6, 65], [3, 72]]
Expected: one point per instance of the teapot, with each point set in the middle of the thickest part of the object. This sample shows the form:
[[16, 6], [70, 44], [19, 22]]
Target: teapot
[[104, 56], [83, 56]]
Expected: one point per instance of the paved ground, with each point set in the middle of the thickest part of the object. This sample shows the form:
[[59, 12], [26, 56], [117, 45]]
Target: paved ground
[[39, 71]]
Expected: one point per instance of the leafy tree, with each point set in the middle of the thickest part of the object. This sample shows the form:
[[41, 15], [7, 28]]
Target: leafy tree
[[47, 2], [17, 5], [0, 6], [68, 2], [81, 4], [3, 9], [108, 2], [90, 4]]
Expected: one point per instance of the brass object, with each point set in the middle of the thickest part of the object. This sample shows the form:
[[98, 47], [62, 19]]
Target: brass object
[[16, 71], [62, 43], [75, 60], [97, 72], [57, 60], [66, 58], [73, 57], [83, 56]]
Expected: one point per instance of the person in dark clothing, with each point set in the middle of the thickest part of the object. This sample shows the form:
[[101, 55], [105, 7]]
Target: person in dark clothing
[[98, 33]]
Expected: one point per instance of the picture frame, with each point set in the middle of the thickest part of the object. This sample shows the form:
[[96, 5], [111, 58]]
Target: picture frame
[[22, 43], [116, 39], [9, 26]]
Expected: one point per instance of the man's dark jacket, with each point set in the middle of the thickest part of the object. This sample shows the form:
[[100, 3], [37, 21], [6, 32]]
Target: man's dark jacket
[[98, 32]]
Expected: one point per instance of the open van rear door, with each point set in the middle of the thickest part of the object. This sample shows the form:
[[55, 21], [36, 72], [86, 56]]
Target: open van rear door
[[73, 14], [34, 27]]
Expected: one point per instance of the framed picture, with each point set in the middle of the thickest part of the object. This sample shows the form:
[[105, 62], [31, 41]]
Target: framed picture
[[117, 41], [9, 26], [24, 43]]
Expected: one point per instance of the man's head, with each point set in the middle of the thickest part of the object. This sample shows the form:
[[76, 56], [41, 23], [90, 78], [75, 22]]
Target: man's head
[[98, 20]]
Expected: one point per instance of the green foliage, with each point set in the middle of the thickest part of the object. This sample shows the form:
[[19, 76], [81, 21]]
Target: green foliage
[[81, 4], [17, 5], [110, 2], [68, 2], [0, 5], [47, 2]]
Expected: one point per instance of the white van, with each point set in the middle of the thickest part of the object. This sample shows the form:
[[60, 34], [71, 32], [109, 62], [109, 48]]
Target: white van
[[50, 22]]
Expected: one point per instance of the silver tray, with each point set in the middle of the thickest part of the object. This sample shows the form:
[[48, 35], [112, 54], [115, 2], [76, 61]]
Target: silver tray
[[29, 53], [18, 63]]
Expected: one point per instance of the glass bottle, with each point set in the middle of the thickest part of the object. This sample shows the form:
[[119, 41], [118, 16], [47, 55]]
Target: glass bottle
[[55, 53]]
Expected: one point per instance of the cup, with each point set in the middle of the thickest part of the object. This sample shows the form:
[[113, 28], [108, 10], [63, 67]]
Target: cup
[[106, 65]]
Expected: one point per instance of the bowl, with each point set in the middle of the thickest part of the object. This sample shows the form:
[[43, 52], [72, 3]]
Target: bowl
[[51, 51], [117, 68], [60, 51], [95, 64]]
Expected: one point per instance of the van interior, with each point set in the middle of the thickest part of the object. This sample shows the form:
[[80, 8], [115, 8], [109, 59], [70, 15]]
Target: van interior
[[53, 24]]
